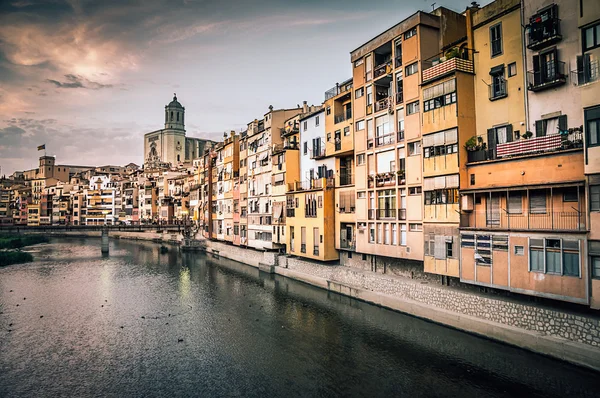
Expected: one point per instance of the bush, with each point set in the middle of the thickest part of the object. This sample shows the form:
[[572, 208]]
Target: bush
[[15, 242], [8, 258]]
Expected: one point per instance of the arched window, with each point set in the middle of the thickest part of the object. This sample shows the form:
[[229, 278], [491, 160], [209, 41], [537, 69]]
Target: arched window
[[177, 116], [171, 115], [178, 158]]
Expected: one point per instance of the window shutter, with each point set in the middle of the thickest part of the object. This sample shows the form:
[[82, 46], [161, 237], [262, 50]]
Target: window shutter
[[440, 247], [509, 133], [580, 72], [562, 123], [537, 74], [491, 135], [539, 128], [537, 202]]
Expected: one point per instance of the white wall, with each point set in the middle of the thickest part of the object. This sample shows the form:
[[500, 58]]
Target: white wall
[[307, 135]]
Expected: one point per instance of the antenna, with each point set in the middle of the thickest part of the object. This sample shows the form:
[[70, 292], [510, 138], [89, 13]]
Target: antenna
[[433, 6]]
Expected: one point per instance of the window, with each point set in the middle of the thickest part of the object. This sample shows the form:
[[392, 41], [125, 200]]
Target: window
[[379, 233], [412, 108], [594, 197], [570, 195], [498, 86], [410, 33], [316, 121], [360, 159], [550, 126], [555, 256], [371, 233], [596, 266], [415, 227], [537, 202], [358, 62], [305, 147], [449, 253], [515, 203], [361, 194], [402, 234], [386, 234], [359, 92], [496, 39], [592, 126], [328, 110], [394, 234], [414, 148], [441, 196], [591, 37], [346, 131], [512, 69], [369, 95], [411, 69], [519, 251], [305, 125], [414, 191], [360, 125], [328, 137]]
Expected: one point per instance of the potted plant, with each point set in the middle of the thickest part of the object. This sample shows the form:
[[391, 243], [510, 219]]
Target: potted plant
[[476, 149], [452, 53], [527, 135]]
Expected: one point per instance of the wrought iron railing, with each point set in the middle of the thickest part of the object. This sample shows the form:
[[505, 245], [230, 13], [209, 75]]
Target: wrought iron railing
[[558, 220]]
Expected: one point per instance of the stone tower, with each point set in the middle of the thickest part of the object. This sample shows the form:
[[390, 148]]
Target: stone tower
[[174, 115]]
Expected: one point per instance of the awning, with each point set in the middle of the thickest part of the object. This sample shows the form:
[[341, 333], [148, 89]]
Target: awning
[[497, 70], [277, 210]]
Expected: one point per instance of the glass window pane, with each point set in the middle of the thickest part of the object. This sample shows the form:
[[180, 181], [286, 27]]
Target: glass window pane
[[537, 260], [589, 37], [553, 261], [596, 267], [571, 264]]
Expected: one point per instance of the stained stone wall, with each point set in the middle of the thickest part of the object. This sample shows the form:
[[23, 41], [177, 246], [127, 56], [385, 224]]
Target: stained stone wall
[[575, 327]]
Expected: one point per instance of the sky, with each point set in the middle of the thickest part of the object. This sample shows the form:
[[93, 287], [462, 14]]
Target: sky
[[90, 78]]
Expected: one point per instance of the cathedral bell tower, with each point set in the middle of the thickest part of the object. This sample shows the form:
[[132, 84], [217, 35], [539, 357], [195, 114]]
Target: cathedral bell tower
[[174, 115]]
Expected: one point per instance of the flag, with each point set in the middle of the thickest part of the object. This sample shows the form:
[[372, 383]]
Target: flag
[[42, 147]]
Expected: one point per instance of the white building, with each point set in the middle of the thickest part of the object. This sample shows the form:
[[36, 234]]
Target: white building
[[313, 163]]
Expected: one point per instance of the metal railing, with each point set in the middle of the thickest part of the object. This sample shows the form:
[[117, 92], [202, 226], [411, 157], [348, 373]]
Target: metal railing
[[382, 104], [347, 244], [338, 89], [386, 214], [588, 72], [346, 178], [400, 97], [398, 61], [382, 69], [498, 90], [542, 34], [549, 75], [346, 115], [384, 139], [559, 220]]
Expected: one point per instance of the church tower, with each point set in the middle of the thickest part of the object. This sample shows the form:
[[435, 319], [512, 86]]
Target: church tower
[[174, 115]]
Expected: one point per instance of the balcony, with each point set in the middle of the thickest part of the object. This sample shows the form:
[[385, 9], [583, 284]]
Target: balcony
[[498, 90], [277, 148], [318, 153], [346, 178], [339, 89], [382, 104], [346, 244], [383, 69], [543, 34], [550, 221], [290, 130], [386, 214], [387, 179], [346, 115], [442, 66], [384, 139], [548, 143], [548, 76], [314, 184], [587, 71]]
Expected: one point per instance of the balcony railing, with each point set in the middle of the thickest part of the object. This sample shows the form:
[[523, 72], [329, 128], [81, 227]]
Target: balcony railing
[[289, 130], [317, 183], [543, 34], [347, 244], [386, 214], [384, 139], [346, 115], [559, 220], [346, 178], [382, 69], [548, 143], [315, 250], [441, 66], [400, 97], [398, 61], [303, 248], [318, 153], [382, 104], [549, 75], [338, 89], [498, 90], [588, 71]]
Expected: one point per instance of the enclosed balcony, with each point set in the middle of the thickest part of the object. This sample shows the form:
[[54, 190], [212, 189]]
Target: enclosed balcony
[[447, 63], [554, 208], [544, 29], [340, 88]]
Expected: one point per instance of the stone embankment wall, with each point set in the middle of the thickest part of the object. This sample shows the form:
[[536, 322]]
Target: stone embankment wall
[[569, 336]]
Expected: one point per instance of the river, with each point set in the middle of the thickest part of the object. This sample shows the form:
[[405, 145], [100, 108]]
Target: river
[[139, 323]]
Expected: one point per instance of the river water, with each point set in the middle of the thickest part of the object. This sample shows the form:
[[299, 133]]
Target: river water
[[139, 323]]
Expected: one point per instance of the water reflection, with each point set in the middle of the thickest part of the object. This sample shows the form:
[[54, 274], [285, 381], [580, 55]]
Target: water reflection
[[146, 323]]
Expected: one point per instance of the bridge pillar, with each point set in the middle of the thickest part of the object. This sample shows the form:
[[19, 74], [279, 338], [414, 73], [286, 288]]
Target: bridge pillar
[[104, 241]]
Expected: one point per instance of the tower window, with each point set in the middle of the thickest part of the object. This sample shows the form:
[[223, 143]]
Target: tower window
[[177, 116], [178, 158], [171, 115]]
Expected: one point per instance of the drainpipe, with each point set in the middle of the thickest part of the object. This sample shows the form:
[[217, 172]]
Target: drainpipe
[[524, 51]]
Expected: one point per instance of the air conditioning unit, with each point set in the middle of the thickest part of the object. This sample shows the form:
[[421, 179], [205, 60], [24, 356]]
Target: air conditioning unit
[[467, 203]]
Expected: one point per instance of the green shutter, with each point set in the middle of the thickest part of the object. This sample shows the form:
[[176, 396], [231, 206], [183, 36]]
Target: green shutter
[[539, 128], [562, 123]]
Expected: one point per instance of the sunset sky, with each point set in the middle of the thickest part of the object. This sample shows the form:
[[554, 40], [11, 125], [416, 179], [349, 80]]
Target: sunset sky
[[89, 78]]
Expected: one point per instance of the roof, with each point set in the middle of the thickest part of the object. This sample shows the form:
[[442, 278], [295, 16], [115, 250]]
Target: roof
[[175, 103]]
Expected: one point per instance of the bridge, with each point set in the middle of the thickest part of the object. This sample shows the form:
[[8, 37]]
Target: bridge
[[187, 230]]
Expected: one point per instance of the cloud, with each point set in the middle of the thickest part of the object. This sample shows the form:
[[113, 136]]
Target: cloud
[[78, 82]]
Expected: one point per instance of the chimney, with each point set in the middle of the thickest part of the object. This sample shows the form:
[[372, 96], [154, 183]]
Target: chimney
[[304, 106], [232, 133], [270, 108]]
